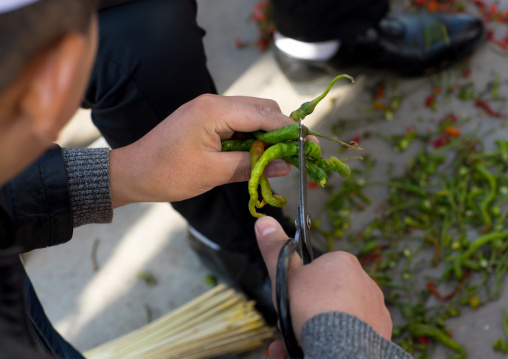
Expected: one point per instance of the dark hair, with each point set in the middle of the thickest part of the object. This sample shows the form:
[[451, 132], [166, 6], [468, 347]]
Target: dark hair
[[28, 30]]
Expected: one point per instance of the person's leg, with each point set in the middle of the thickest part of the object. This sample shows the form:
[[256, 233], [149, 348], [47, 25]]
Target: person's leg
[[334, 36], [322, 20], [45, 335], [25, 331], [150, 61]]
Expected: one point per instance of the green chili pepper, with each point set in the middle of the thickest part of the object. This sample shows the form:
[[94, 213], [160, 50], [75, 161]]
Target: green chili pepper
[[483, 240], [410, 188], [500, 346], [280, 150], [480, 167], [505, 322], [315, 173], [429, 331], [367, 248], [237, 145], [308, 107], [287, 133], [291, 133], [336, 165], [256, 151], [458, 261], [312, 149]]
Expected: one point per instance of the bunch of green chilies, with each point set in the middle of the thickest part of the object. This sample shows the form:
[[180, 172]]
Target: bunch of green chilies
[[265, 147], [447, 212]]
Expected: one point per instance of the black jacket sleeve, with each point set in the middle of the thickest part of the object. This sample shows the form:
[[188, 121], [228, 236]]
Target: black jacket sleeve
[[35, 207]]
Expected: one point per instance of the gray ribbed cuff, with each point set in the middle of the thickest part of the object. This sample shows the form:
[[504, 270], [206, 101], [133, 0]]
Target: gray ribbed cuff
[[339, 335], [88, 178]]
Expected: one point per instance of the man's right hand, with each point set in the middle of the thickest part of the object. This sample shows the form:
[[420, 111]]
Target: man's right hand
[[333, 282]]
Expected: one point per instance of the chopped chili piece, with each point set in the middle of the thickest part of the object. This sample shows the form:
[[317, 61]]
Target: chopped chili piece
[[355, 139], [441, 141], [452, 131], [423, 340], [486, 107], [431, 287], [429, 101], [313, 185]]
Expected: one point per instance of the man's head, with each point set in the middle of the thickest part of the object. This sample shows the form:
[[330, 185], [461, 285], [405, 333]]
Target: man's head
[[48, 48]]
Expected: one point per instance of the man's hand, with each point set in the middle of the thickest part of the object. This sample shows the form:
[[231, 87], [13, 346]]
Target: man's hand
[[181, 157], [333, 282]]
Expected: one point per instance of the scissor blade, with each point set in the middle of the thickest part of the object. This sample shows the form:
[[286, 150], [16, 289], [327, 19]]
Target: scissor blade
[[303, 221], [303, 170]]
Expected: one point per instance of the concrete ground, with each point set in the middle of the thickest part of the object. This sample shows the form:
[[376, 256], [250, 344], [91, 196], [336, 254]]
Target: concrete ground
[[89, 286]]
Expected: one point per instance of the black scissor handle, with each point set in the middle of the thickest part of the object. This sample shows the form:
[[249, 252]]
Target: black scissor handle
[[282, 291]]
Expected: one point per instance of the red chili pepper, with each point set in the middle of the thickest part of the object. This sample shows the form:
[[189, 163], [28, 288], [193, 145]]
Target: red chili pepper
[[409, 129], [452, 131], [486, 107], [440, 141], [258, 12], [431, 6], [380, 92], [429, 101], [453, 117], [480, 3], [423, 340], [239, 43], [313, 185], [431, 287], [356, 139], [358, 236], [494, 10], [449, 118], [262, 44], [379, 106], [501, 44]]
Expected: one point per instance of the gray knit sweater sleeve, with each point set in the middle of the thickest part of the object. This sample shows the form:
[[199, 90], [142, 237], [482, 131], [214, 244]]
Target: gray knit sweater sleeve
[[88, 179], [343, 336]]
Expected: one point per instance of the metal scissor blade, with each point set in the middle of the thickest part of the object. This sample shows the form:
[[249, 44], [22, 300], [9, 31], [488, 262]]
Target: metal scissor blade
[[302, 219]]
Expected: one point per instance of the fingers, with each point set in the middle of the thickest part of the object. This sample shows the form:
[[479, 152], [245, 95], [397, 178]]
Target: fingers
[[277, 168], [242, 114], [271, 238], [312, 138], [235, 167], [277, 350]]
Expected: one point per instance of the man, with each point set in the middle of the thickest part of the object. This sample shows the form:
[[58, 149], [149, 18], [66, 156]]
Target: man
[[49, 50], [151, 60]]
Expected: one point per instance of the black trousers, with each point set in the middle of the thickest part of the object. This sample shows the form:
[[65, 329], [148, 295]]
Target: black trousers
[[321, 20], [150, 61]]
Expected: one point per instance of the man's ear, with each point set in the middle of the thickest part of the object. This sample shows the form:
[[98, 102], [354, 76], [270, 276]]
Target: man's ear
[[55, 86]]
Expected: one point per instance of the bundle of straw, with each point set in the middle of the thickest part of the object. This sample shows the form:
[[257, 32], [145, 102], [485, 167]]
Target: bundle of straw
[[218, 322]]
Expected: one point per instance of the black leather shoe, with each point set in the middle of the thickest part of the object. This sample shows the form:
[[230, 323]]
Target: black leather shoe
[[401, 44]]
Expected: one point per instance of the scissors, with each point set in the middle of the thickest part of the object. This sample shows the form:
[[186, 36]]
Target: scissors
[[300, 244]]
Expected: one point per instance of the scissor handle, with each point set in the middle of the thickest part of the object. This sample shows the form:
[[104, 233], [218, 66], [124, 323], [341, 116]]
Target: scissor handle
[[282, 291]]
